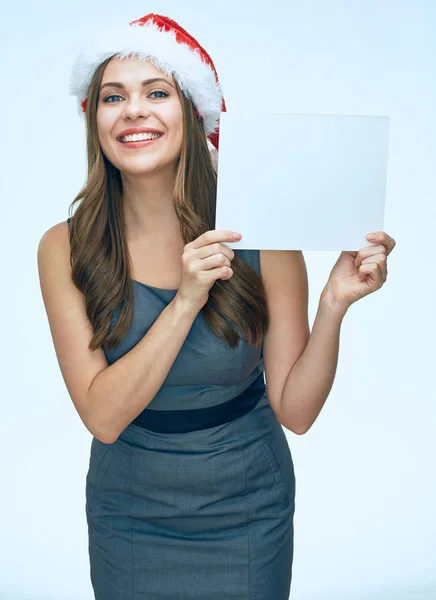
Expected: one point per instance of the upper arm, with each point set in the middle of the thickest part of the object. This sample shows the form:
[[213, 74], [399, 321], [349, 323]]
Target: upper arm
[[70, 327], [284, 276]]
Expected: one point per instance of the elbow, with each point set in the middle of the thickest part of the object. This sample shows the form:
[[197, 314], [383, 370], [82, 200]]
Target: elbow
[[101, 433], [292, 422], [97, 427], [104, 435], [300, 431], [294, 427], [105, 439]]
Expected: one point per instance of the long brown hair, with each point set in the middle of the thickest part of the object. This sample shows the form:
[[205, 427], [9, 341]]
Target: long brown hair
[[99, 256]]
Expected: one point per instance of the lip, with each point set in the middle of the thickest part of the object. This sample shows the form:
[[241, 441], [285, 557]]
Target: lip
[[133, 130], [141, 144]]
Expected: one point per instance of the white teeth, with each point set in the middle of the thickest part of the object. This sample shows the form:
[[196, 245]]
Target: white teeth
[[139, 137]]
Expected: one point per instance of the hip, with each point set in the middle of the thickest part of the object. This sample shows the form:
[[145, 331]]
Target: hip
[[246, 461]]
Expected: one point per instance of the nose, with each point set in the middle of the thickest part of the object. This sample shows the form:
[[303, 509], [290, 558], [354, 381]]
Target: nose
[[136, 107]]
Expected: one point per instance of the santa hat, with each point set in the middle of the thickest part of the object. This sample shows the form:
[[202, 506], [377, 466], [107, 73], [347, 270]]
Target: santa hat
[[169, 48]]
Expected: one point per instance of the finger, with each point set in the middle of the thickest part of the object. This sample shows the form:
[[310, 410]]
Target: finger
[[380, 260], [215, 248], [374, 271], [368, 251], [381, 237], [214, 235]]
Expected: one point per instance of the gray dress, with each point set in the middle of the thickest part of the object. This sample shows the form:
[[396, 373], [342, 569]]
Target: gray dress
[[195, 500]]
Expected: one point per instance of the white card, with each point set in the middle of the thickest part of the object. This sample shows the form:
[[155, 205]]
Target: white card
[[301, 182]]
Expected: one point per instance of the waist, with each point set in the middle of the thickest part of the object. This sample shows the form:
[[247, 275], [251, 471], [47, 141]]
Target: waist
[[182, 421]]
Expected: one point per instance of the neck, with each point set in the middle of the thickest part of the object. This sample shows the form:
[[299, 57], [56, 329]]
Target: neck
[[148, 205]]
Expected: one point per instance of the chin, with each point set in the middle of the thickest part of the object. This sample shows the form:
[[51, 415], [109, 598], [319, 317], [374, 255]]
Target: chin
[[147, 168]]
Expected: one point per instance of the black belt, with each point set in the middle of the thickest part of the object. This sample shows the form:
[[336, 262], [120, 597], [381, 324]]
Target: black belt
[[182, 421]]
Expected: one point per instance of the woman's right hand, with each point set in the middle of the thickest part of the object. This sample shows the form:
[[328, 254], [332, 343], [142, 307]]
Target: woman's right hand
[[204, 261]]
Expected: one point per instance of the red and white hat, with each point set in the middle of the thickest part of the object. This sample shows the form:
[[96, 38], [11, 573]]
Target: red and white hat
[[169, 48]]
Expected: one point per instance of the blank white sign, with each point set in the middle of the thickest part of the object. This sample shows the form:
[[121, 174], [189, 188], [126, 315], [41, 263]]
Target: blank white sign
[[301, 182]]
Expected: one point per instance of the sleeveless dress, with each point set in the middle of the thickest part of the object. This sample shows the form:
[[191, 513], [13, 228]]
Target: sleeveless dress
[[195, 499]]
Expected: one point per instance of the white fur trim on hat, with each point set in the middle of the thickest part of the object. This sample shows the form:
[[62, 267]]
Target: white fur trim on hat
[[147, 42]]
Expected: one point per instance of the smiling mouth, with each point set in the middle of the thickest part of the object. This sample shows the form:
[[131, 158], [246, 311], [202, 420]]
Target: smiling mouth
[[139, 137]]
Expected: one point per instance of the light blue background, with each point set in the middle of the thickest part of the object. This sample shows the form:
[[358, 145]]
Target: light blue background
[[365, 523]]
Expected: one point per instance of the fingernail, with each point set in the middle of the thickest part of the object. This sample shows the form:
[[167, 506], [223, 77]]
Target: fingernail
[[371, 236], [237, 235]]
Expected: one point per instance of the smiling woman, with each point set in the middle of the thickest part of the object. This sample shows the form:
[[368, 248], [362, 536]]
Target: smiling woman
[[190, 489]]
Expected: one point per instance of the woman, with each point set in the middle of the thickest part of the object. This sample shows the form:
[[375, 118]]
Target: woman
[[163, 334]]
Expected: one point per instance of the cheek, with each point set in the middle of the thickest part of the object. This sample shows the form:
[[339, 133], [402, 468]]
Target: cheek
[[105, 123], [173, 117], [104, 127], [177, 139], [178, 127]]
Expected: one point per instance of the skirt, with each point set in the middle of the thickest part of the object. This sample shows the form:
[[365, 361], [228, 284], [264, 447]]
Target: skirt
[[200, 515]]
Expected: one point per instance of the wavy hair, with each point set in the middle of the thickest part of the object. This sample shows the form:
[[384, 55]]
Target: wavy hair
[[99, 256]]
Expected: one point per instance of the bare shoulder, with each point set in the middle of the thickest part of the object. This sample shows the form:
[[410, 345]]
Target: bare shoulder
[[285, 280], [69, 325], [54, 256], [56, 236]]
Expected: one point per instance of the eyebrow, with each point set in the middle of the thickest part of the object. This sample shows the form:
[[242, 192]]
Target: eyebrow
[[121, 86]]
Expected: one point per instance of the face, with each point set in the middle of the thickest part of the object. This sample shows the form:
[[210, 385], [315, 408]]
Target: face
[[129, 100]]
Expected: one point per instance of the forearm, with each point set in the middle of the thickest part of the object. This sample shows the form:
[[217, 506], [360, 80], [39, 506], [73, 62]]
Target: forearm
[[121, 391], [310, 380]]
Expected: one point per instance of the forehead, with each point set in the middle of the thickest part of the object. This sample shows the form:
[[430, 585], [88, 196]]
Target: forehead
[[131, 70]]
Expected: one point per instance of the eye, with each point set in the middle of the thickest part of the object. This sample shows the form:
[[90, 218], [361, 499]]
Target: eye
[[111, 96], [165, 95], [160, 92]]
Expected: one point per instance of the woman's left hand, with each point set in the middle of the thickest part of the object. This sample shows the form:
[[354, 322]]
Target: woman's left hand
[[357, 274]]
